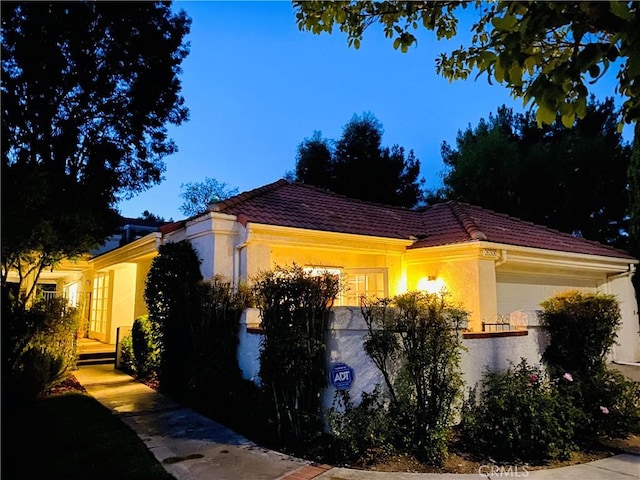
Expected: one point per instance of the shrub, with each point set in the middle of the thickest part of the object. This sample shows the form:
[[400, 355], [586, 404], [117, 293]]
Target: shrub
[[359, 429], [40, 347], [214, 373], [414, 341], [519, 416], [609, 405], [582, 329], [294, 306], [127, 362], [145, 351], [171, 295]]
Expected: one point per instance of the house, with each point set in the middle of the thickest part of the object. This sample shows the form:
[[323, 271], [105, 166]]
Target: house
[[107, 283], [497, 267]]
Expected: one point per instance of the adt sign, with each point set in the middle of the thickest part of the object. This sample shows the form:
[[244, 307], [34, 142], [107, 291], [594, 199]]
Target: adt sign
[[341, 376]]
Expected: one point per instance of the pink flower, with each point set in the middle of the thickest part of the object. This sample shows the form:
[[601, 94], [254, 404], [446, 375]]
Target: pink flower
[[604, 410], [533, 378], [568, 377]]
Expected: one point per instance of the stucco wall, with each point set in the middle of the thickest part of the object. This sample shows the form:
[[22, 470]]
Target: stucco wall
[[627, 348], [344, 345], [123, 300]]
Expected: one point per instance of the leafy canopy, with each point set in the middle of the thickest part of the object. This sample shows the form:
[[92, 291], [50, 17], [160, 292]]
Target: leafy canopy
[[547, 53], [198, 196], [551, 175], [87, 91], [384, 175]]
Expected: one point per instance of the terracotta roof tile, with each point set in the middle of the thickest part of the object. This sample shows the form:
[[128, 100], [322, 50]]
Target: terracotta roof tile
[[482, 224], [303, 206]]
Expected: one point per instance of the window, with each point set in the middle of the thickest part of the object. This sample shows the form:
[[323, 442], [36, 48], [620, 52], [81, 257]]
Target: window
[[100, 303], [371, 282]]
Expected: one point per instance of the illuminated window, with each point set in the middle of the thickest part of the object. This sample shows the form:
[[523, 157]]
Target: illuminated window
[[356, 282], [363, 281], [100, 303]]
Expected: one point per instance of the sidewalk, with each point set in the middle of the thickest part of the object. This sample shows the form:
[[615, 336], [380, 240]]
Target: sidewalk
[[193, 447]]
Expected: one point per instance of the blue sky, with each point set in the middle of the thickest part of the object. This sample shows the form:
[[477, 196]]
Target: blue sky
[[256, 86]]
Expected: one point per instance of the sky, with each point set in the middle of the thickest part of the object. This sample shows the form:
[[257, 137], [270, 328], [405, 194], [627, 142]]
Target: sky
[[256, 87]]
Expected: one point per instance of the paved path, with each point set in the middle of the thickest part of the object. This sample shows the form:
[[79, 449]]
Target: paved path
[[193, 447]]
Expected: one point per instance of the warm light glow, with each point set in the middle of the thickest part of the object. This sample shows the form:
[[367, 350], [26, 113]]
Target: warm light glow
[[431, 285], [318, 271], [402, 285]]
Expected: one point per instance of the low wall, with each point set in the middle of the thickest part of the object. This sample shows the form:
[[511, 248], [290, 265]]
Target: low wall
[[347, 330]]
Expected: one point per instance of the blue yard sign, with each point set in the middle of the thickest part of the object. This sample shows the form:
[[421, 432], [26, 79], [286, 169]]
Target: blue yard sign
[[341, 376]]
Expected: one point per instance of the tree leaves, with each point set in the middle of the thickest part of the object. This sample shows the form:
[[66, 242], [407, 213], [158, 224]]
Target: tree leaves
[[199, 195], [385, 174], [551, 175], [87, 91], [551, 35]]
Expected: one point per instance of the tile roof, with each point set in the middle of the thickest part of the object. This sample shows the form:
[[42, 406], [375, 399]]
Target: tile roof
[[476, 223], [303, 206]]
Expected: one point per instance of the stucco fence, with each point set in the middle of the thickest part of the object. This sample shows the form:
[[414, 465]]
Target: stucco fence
[[347, 329]]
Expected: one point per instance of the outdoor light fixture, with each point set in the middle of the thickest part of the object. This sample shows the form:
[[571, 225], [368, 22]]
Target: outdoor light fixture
[[431, 284]]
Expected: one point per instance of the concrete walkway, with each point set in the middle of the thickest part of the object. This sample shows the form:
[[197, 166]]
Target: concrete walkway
[[193, 447]]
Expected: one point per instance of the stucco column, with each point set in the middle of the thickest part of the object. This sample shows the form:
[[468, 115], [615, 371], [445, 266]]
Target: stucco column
[[627, 346], [472, 284], [488, 293], [254, 258]]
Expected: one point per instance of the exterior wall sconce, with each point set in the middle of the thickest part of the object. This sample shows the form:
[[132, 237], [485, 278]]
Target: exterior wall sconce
[[431, 284]]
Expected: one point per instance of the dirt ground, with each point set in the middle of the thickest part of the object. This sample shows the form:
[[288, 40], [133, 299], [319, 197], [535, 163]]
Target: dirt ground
[[459, 462]]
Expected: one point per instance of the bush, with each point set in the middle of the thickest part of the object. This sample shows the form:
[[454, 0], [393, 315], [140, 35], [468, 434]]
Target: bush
[[145, 351], [608, 403], [294, 306], [414, 341], [171, 295], [127, 362], [40, 347], [520, 416], [359, 429], [582, 329], [214, 373]]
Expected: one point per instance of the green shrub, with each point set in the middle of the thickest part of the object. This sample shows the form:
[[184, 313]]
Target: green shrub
[[520, 416], [582, 329], [127, 363], [294, 306], [214, 373], [171, 295], [145, 351], [608, 403], [359, 429], [414, 341], [40, 347]]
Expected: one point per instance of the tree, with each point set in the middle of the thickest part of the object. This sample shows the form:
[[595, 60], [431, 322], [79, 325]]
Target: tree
[[550, 175], [87, 91], [152, 217], [383, 174], [199, 195], [544, 52], [314, 161]]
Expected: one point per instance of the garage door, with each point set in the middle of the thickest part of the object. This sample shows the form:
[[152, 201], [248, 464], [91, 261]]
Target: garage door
[[525, 292]]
